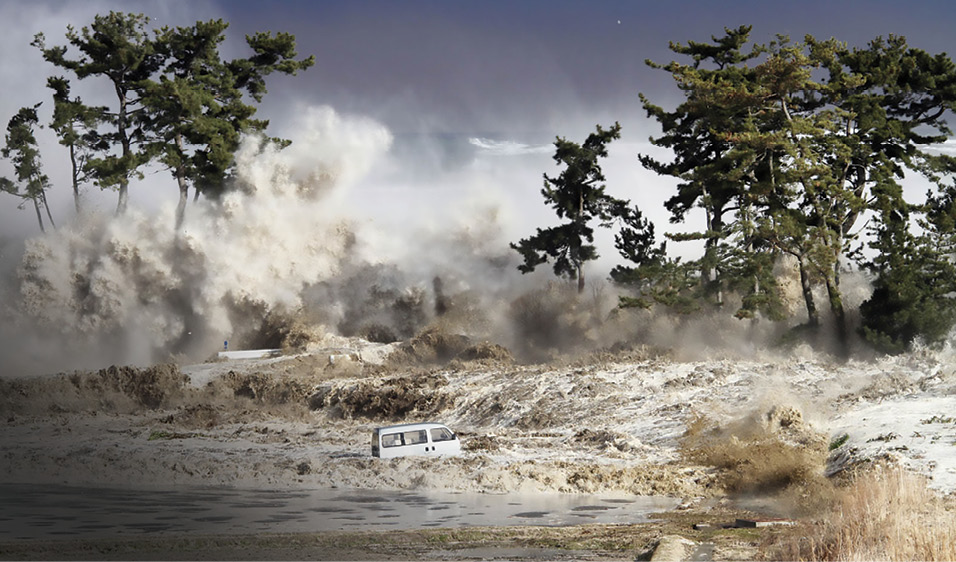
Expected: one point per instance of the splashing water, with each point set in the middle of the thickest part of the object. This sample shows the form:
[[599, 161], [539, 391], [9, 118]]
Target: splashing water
[[132, 283]]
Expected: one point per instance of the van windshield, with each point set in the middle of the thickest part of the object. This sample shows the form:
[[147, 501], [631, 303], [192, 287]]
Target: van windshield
[[442, 434]]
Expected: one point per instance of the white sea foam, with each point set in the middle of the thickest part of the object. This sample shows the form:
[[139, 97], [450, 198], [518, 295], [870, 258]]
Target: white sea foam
[[509, 147], [106, 282]]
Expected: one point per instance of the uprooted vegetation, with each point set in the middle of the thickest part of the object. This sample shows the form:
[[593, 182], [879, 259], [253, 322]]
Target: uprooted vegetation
[[774, 454]]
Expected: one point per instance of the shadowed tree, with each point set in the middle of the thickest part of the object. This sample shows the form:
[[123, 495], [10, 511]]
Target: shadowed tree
[[577, 196], [702, 161], [75, 124], [645, 276], [21, 147], [914, 289], [801, 144], [195, 110], [119, 48]]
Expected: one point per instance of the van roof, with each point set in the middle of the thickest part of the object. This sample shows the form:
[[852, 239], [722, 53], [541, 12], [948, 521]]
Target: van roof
[[410, 426]]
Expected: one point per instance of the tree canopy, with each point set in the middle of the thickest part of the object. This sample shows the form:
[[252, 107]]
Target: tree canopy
[[577, 196], [786, 145], [177, 102]]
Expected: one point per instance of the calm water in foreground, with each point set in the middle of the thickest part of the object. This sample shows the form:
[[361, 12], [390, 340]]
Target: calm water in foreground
[[38, 512]]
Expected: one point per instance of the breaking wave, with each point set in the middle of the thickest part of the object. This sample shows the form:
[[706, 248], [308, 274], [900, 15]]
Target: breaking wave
[[508, 148], [294, 244], [133, 283]]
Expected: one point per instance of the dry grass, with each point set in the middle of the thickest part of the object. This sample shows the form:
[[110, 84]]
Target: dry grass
[[884, 514]]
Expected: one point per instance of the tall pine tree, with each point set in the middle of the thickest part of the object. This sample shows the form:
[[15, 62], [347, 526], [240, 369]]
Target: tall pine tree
[[577, 195], [117, 47], [21, 147]]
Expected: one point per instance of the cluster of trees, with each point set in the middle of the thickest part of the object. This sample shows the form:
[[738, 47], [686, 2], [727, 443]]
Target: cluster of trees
[[178, 104], [790, 149]]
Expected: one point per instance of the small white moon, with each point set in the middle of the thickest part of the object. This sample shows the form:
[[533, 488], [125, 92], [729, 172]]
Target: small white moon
[[619, 22]]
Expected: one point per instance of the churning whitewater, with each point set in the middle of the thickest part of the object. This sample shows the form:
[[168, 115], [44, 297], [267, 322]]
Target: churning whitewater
[[131, 289], [381, 326]]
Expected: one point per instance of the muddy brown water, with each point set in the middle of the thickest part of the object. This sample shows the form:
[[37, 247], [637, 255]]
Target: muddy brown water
[[29, 512]]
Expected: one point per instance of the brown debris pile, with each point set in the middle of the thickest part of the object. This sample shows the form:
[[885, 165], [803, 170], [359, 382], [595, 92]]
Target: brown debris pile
[[602, 439], [114, 389], [267, 388], [435, 346], [388, 399]]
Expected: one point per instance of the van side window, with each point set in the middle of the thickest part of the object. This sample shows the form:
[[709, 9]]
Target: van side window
[[442, 434], [392, 440], [415, 437]]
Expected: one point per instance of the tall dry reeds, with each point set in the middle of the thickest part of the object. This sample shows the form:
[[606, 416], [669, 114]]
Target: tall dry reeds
[[883, 514]]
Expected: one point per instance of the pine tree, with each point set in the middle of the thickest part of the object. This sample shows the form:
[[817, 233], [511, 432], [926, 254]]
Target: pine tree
[[21, 148], [76, 126], [119, 48], [196, 111], [801, 145], [576, 195], [702, 160]]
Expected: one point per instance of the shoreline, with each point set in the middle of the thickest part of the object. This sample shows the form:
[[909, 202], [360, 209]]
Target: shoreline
[[701, 431], [600, 542]]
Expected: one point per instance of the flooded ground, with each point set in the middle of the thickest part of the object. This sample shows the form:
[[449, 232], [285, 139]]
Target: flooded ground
[[36, 512], [271, 460]]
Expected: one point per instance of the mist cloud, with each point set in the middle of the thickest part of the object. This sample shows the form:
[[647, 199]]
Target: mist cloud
[[106, 282]]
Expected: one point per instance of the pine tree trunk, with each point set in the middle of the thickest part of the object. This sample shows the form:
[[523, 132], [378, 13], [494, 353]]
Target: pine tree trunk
[[705, 274], [839, 314], [46, 206], [836, 297], [76, 179], [36, 205], [813, 315], [183, 188], [122, 202], [183, 197], [708, 274], [580, 265]]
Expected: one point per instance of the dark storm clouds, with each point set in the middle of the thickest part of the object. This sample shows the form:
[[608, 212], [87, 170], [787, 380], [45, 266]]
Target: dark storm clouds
[[469, 66]]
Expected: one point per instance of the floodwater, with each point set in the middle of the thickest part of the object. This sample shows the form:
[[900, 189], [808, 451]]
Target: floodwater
[[39, 512]]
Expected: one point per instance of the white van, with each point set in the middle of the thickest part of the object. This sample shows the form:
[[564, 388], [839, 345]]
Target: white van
[[414, 439]]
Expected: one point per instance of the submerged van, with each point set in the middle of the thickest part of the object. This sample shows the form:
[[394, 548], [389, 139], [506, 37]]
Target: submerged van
[[414, 439]]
